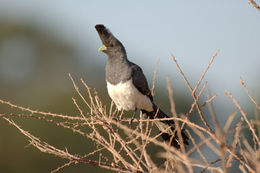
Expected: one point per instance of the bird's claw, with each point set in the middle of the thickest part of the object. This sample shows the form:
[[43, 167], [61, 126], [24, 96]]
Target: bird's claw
[[133, 117]]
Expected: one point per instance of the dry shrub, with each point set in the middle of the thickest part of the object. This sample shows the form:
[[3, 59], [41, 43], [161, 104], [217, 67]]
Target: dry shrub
[[121, 148]]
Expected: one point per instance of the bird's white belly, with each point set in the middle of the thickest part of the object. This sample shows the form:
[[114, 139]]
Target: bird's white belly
[[127, 97]]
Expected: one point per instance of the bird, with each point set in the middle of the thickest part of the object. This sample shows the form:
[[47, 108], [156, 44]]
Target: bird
[[128, 87]]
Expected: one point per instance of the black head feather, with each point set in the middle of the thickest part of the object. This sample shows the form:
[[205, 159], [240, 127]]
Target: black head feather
[[105, 35], [110, 41]]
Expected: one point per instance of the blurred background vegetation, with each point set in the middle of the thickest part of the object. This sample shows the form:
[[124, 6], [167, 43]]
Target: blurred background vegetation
[[37, 51], [34, 73]]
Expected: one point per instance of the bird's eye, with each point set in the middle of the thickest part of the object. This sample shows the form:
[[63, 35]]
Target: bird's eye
[[111, 45]]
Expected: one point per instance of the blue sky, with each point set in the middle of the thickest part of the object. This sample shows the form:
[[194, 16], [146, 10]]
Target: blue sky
[[191, 30]]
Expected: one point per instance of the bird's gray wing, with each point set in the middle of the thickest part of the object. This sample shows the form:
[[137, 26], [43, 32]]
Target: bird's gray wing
[[139, 81]]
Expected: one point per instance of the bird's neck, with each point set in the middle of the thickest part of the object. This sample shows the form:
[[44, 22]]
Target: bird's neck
[[117, 70], [117, 58]]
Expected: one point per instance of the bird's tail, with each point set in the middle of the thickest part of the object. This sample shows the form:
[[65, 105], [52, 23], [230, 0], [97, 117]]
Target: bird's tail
[[169, 135]]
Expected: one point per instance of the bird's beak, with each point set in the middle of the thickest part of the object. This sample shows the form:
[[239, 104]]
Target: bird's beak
[[102, 48]]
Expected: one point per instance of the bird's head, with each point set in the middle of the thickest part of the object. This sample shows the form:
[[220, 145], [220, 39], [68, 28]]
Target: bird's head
[[111, 45]]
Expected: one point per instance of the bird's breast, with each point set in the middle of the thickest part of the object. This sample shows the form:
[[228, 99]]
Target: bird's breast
[[127, 97]]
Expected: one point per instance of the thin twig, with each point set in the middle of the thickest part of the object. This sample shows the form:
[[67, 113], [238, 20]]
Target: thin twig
[[254, 4], [154, 76], [244, 116], [247, 92], [193, 91]]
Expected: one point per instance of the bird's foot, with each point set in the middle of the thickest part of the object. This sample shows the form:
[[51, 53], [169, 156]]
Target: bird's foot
[[118, 115], [115, 119], [133, 117]]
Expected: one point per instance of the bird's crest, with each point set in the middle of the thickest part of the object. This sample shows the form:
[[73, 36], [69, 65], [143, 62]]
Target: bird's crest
[[105, 35]]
